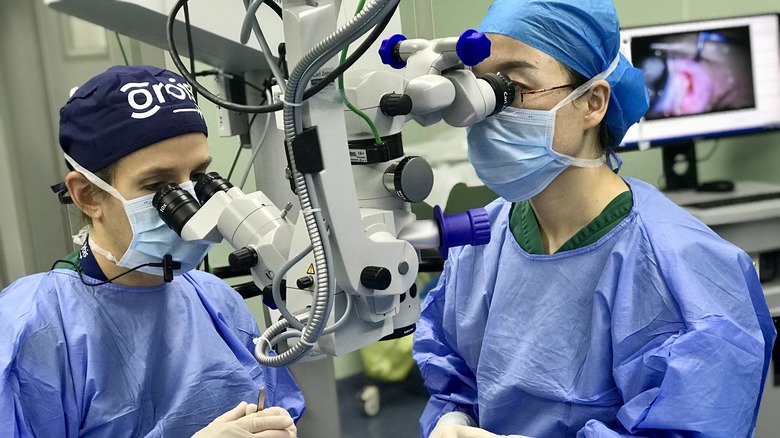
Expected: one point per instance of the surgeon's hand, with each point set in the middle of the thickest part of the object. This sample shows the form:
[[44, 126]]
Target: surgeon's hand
[[456, 431], [246, 421]]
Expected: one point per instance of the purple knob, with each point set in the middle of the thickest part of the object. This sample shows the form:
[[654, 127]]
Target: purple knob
[[469, 228], [388, 52], [473, 47]]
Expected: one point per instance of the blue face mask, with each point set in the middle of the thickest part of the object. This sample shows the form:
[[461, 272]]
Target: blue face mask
[[512, 151], [152, 238]]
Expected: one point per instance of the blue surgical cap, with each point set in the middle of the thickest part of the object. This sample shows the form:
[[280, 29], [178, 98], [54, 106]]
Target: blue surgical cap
[[585, 36], [124, 109]]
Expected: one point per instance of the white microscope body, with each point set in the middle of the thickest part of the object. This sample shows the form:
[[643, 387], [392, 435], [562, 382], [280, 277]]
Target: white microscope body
[[343, 274]]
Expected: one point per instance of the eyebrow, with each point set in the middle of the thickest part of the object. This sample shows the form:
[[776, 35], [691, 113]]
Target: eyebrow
[[154, 171], [515, 65]]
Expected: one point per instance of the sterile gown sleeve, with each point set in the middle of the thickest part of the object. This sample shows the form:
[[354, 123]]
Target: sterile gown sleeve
[[448, 378], [701, 380], [675, 315], [281, 388], [36, 400], [123, 361]]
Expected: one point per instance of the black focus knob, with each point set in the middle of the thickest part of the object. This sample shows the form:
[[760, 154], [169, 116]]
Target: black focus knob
[[268, 295], [394, 104], [305, 282], [374, 277], [244, 258]]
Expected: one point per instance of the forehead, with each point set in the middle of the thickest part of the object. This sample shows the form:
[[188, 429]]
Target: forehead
[[184, 153], [512, 56]]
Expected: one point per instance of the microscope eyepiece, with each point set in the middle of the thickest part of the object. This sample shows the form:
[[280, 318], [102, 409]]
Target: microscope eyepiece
[[210, 183], [175, 206], [503, 89]]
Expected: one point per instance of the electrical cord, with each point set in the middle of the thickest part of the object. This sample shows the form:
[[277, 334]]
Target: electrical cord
[[314, 89], [235, 160], [343, 93], [256, 151], [79, 270], [313, 61], [274, 6], [283, 59], [251, 10], [281, 305], [215, 72], [711, 152], [122, 48], [267, 84], [251, 25], [190, 47], [327, 330]]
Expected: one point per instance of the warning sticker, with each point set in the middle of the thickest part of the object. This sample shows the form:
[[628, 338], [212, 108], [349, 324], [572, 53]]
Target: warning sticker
[[310, 271]]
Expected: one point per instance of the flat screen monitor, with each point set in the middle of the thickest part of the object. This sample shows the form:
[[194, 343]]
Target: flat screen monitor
[[706, 79]]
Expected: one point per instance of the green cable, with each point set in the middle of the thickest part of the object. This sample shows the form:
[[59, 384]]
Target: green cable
[[122, 48], [353, 108]]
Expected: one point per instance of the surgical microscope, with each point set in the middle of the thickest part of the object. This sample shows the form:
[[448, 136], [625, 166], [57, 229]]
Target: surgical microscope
[[342, 275]]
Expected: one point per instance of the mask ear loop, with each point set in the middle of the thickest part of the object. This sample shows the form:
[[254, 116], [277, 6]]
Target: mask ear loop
[[91, 177], [105, 253], [584, 88]]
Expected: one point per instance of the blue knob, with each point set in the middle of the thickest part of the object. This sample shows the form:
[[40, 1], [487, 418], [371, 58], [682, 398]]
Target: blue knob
[[473, 47], [480, 226], [469, 228], [388, 52]]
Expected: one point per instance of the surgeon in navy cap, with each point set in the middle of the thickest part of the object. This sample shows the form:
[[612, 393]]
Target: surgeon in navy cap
[[101, 345], [599, 308]]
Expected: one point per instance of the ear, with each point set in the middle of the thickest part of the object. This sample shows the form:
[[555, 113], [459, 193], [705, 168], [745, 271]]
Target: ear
[[84, 195], [598, 102]]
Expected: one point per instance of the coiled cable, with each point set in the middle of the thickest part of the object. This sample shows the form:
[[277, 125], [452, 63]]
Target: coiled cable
[[370, 17]]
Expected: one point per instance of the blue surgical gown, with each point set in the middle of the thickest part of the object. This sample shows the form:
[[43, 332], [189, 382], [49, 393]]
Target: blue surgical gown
[[659, 328], [118, 361]]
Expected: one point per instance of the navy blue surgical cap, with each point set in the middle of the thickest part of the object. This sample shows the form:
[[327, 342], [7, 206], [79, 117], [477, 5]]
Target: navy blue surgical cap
[[125, 109], [585, 36]]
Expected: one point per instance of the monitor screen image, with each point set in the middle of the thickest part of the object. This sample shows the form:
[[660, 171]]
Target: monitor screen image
[[707, 78], [696, 72]]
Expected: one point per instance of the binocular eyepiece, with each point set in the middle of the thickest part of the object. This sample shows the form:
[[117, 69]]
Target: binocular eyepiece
[[176, 206], [503, 90]]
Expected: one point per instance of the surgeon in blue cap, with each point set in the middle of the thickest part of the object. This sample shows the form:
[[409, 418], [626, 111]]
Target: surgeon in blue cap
[[103, 345], [599, 308]]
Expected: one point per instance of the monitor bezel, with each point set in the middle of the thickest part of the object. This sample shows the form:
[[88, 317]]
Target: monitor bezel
[[764, 50]]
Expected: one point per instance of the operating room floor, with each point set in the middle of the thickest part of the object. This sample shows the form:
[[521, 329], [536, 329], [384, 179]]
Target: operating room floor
[[401, 404]]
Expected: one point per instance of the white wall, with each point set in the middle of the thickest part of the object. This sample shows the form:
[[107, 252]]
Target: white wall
[[12, 250], [32, 231]]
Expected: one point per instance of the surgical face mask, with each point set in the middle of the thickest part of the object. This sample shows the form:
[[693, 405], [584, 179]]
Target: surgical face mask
[[152, 238], [512, 151]]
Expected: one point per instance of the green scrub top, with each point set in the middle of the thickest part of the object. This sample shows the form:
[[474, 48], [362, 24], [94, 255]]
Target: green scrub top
[[525, 228], [71, 261]]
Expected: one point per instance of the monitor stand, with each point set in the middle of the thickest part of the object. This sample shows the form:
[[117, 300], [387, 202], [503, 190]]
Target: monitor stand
[[679, 165]]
